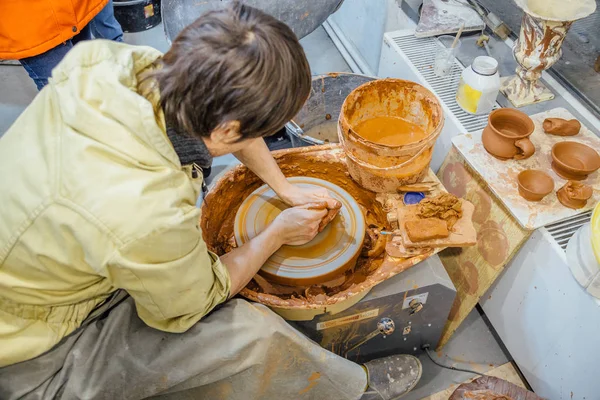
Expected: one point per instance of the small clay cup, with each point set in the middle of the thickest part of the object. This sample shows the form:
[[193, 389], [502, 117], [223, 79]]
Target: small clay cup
[[534, 185], [507, 134], [574, 161]]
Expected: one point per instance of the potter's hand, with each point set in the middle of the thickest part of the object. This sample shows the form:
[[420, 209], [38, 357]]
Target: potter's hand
[[299, 225], [297, 196]]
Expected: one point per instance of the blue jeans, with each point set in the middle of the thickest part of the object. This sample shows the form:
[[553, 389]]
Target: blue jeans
[[105, 26], [40, 67]]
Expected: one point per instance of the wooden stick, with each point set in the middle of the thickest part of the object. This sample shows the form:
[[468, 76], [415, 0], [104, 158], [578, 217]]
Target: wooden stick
[[460, 31]]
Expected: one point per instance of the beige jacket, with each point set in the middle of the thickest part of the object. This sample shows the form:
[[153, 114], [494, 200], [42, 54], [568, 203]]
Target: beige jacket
[[93, 198]]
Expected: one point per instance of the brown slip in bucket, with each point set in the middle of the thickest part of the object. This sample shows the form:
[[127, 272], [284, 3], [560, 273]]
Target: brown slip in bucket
[[507, 134], [378, 166], [534, 185], [574, 161]]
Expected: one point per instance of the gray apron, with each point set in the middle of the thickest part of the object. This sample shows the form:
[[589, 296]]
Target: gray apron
[[239, 351]]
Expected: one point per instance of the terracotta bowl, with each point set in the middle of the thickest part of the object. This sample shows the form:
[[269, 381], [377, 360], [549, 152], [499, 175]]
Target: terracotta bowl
[[574, 161], [534, 185]]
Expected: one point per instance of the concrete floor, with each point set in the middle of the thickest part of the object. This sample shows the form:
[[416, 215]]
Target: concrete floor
[[473, 346]]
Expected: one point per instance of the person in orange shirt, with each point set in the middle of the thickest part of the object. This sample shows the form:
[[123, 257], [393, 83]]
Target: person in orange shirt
[[40, 33]]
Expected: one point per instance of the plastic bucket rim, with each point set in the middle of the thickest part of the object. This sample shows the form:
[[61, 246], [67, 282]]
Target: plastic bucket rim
[[434, 132]]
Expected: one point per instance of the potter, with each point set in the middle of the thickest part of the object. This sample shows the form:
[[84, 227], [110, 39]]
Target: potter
[[507, 134], [108, 289]]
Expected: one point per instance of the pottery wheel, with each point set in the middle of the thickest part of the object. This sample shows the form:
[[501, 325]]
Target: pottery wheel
[[329, 254]]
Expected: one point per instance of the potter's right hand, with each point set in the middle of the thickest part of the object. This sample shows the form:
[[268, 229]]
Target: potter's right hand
[[299, 225]]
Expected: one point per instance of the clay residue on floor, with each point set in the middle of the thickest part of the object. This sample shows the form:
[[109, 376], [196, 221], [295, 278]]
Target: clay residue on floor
[[324, 162]]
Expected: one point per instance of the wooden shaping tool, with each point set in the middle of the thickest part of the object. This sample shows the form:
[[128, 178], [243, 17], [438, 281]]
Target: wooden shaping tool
[[418, 187], [462, 235]]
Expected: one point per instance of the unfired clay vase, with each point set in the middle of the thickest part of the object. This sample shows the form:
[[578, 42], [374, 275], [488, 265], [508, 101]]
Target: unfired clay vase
[[574, 194], [534, 185], [507, 134], [574, 161], [561, 127]]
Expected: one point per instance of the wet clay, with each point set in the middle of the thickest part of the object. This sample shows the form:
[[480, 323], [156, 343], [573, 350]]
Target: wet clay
[[574, 194], [561, 127], [462, 234], [507, 134], [426, 229], [325, 162], [390, 131], [446, 207], [331, 213], [334, 249], [534, 185], [574, 160]]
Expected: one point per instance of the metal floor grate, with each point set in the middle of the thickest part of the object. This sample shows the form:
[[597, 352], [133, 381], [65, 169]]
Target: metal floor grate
[[563, 230], [421, 53]]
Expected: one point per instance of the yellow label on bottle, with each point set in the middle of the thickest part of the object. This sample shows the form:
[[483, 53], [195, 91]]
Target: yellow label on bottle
[[467, 97]]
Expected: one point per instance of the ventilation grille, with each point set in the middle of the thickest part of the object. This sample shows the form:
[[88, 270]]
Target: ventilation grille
[[421, 52], [563, 230]]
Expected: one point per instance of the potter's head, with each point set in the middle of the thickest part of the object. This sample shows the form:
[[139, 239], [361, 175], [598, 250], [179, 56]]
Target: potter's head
[[232, 75]]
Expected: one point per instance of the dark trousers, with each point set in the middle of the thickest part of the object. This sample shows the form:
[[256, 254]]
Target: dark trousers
[[103, 26]]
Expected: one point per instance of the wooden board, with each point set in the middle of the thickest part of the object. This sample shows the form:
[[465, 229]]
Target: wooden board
[[501, 176], [463, 233], [439, 17], [506, 372]]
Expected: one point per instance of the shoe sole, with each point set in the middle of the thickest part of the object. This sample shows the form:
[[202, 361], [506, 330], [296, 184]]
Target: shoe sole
[[416, 380]]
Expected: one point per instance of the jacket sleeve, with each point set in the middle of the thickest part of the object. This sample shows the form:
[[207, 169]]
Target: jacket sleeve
[[171, 275]]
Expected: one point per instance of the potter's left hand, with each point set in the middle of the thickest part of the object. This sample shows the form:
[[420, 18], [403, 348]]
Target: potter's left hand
[[298, 196]]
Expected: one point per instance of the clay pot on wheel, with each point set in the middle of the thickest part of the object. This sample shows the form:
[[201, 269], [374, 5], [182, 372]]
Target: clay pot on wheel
[[574, 161], [574, 194], [534, 185], [507, 134]]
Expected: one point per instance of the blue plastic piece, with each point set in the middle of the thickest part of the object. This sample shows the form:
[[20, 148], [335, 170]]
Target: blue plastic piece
[[413, 197]]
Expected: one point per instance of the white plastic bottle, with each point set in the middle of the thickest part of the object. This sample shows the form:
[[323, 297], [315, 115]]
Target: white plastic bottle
[[479, 86]]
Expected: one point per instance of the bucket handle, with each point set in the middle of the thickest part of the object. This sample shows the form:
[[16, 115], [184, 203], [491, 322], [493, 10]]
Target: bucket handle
[[366, 165]]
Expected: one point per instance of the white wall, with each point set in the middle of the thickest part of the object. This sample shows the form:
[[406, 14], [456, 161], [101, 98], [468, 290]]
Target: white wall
[[360, 25]]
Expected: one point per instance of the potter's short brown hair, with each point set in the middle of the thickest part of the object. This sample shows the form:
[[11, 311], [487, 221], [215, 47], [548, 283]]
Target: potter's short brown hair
[[234, 64]]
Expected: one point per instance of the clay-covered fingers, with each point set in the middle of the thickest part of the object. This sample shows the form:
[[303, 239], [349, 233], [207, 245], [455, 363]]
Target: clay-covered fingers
[[299, 225], [323, 194], [331, 214]]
